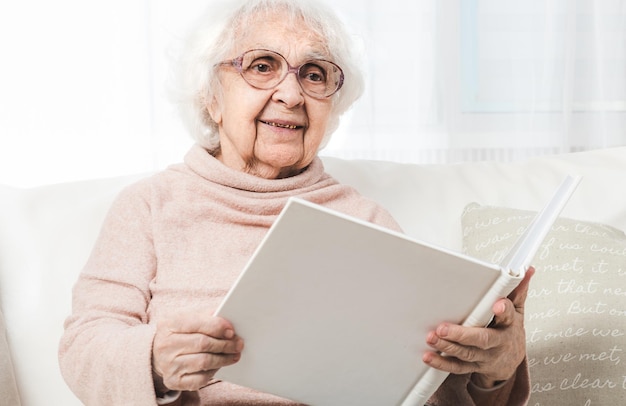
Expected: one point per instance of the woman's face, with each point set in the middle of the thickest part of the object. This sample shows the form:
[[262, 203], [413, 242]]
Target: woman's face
[[271, 133]]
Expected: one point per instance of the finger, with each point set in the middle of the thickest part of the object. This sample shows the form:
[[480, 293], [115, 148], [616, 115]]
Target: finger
[[447, 335], [460, 352], [194, 363], [193, 322], [505, 310], [192, 371], [192, 343], [448, 364], [504, 313], [518, 295]]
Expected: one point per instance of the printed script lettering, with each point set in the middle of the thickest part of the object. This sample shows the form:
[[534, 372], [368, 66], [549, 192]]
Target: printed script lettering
[[575, 312], [577, 271]]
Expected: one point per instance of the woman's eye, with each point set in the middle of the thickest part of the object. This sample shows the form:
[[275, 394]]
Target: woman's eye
[[314, 74], [264, 65], [261, 67], [315, 77]]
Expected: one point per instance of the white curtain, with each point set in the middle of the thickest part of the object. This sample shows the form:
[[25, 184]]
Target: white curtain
[[82, 84], [454, 80]]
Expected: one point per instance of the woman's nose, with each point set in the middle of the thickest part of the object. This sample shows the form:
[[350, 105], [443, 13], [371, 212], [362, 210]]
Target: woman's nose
[[289, 91]]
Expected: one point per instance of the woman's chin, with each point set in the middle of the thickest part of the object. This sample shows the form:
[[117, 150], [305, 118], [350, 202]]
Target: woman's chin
[[283, 165], [277, 168]]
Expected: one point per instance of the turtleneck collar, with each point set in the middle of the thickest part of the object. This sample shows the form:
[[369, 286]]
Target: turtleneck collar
[[200, 161]]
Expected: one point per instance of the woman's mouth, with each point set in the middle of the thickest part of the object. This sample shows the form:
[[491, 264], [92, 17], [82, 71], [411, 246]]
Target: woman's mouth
[[281, 125]]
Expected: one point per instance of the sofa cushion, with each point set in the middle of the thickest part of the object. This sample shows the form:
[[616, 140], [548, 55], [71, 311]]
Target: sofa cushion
[[576, 308], [46, 236], [8, 387]]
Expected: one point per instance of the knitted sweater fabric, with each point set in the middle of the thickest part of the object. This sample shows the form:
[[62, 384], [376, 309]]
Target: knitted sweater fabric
[[178, 240]]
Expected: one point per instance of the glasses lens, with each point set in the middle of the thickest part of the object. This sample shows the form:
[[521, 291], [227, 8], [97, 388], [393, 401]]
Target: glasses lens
[[263, 69], [320, 78]]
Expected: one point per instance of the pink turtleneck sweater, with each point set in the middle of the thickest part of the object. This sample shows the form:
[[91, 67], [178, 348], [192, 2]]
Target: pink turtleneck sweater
[[174, 240]]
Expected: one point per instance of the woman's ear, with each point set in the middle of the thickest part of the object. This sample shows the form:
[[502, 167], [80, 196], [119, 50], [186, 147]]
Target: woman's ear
[[214, 110]]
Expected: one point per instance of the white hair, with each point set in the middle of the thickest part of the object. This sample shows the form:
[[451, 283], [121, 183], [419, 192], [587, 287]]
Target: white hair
[[215, 37]]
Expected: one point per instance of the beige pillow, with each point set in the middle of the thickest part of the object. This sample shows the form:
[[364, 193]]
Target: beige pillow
[[8, 387], [576, 307]]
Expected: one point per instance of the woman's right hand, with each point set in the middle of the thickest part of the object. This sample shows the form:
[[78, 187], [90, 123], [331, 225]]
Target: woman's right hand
[[188, 350]]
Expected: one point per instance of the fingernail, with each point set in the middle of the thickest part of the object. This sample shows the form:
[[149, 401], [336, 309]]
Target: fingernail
[[432, 338], [229, 333], [442, 331]]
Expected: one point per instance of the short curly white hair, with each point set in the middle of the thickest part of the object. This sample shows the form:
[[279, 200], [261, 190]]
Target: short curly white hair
[[213, 39]]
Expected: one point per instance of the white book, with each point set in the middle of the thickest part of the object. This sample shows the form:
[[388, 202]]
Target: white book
[[334, 310]]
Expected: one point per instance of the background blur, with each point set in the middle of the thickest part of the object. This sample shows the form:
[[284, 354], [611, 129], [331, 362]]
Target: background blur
[[82, 83]]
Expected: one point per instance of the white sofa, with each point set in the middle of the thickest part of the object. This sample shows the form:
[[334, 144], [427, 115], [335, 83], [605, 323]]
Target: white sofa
[[575, 317]]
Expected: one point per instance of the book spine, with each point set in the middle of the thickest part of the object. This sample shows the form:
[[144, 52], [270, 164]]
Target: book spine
[[479, 317], [425, 387]]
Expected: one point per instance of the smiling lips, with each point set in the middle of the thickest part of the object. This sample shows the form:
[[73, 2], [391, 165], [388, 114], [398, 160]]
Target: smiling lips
[[279, 125]]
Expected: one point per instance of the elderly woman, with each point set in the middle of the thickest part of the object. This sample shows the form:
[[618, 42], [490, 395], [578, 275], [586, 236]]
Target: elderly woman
[[263, 87]]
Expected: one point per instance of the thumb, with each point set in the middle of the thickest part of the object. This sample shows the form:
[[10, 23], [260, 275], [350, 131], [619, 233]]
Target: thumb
[[519, 294], [505, 310]]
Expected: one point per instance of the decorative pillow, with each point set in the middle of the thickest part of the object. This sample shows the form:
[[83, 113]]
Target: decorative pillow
[[576, 306], [8, 387]]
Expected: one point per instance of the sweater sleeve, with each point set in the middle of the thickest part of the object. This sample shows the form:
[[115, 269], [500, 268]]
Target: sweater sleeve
[[105, 351]]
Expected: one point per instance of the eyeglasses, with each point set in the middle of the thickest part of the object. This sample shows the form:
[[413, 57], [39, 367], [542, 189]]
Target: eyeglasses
[[265, 69]]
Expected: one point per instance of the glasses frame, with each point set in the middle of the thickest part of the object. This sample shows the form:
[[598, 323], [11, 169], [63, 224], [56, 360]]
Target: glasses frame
[[237, 63]]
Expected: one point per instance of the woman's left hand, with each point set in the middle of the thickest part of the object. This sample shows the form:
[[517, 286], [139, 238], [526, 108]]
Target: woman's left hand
[[492, 354]]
